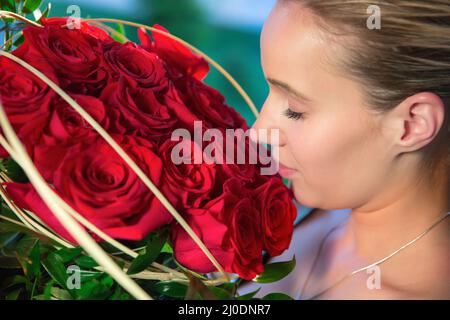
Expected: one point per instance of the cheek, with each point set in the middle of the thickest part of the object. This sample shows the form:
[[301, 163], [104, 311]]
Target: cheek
[[319, 155], [337, 162]]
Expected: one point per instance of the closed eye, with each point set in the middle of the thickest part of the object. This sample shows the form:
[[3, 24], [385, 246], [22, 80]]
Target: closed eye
[[292, 114]]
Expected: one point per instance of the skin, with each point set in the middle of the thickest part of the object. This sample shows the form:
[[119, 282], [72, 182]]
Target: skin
[[345, 156]]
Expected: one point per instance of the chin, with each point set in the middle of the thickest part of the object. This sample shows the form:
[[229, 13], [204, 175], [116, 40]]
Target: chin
[[302, 197], [312, 200]]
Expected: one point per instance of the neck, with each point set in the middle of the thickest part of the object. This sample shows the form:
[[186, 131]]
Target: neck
[[401, 214]]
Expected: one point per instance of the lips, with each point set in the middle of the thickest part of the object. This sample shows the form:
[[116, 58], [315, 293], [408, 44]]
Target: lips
[[284, 171]]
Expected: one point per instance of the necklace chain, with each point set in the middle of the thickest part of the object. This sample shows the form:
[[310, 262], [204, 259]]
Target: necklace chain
[[368, 266]]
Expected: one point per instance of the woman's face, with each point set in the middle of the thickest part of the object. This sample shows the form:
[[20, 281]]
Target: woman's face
[[338, 159]]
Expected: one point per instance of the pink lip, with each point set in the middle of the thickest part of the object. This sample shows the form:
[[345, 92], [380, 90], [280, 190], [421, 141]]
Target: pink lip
[[285, 172]]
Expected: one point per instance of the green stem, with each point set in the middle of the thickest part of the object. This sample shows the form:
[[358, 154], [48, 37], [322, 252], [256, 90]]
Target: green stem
[[33, 289], [7, 36]]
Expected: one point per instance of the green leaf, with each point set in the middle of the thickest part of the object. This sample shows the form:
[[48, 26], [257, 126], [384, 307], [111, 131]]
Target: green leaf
[[14, 171], [149, 254], [197, 290], [2, 160], [8, 5], [186, 270], [20, 249], [48, 290], [60, 294], [229, 286], [277, 296], [170, 289], [89, 276], [107, 281], [87, 290], [86, 262], [6, 226], [220, 293], [46, 13], [56, 269], [33, 263], [19, 41], [119, 294], [98, 290], [249, 295], [68, 254], [12, 281], [8, 238], [30, 5], [13, 295], [121, 30], [275, 271], [167, 248]]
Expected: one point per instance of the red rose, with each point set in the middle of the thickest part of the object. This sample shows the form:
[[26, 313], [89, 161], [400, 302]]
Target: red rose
[[278, 214], [101, 187], [26, 197], [244, 223], [210, 230], [75, 56], [241, 162], [208, 105], [139, 95], [172, 98], [84, 28], [24, 96], [144, 68], [181, 61], [188, 184], [240, 249], [137, 111], [49, 138]]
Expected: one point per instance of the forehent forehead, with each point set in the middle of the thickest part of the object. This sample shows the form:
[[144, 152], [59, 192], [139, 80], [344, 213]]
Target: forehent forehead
[[291, 39]]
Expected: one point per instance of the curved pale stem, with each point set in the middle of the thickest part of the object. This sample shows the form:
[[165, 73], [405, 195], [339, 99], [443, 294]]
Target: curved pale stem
[[111, 30], [74, 229], [199, 52], [12, 15], [119, 150]]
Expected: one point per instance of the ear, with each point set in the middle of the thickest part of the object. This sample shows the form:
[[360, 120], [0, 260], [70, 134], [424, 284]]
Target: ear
[[416, 121]]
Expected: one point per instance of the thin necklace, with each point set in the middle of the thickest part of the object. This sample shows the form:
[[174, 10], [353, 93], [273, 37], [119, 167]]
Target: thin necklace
[[366, 267]]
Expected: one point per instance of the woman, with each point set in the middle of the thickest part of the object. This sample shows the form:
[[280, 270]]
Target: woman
[[360, 95]]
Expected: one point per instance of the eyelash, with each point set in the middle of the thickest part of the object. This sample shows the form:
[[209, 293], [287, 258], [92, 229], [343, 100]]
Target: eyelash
[[292, 114]]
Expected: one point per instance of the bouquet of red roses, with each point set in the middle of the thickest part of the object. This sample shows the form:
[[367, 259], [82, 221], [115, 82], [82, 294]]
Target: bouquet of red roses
[[140, 94]]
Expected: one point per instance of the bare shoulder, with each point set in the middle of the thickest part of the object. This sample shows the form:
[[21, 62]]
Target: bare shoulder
[[428, 272]]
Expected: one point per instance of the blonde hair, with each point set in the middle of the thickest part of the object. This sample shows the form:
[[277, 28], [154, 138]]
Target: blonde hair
[[408, 54]]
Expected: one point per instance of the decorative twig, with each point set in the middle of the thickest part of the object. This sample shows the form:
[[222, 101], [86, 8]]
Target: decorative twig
[[74, 229], [12, 15], [119, 150], [235, 84], [111, 30]]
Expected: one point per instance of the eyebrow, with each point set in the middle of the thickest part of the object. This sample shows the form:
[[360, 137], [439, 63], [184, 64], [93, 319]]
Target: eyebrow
[[284, 86]]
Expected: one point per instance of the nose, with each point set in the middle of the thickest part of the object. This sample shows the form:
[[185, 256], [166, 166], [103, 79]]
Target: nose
[[267, 128]]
